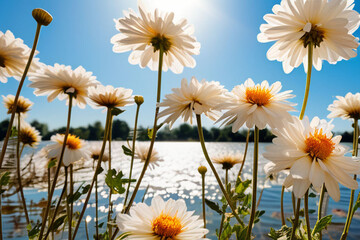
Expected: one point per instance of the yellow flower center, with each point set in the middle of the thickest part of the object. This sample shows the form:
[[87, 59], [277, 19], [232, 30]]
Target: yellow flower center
[[2, 61], [166, 226], [73, 142], [318, 145], [258, 95]]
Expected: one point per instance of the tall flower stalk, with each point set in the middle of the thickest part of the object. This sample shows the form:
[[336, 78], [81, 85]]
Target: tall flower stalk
[[138, 100], [146, 164], [59, 163], [18, 170], [351, 202], [106, 136], [223, 190], [43, 18], [308, 78], [202, 170], [254, 182]]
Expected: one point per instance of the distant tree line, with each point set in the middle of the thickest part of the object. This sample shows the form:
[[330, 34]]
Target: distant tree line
[[185, 132]]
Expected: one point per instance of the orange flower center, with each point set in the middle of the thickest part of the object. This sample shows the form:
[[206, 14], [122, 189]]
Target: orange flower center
[[166, 226], [258, 95], [318, 145], [73, 142]]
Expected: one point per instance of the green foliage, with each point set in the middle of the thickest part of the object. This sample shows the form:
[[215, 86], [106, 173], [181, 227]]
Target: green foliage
[[127, 151], [14, 132], [58, 222], [214, 206], [52, 163], [115, 181], [77, 194], [150, 132], [116, 111], [312, 195], [321, 224], [33, 232], [283, 231], [4, 180]]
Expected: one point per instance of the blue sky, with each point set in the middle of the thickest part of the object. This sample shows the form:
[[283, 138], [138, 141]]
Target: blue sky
[[230, 53]]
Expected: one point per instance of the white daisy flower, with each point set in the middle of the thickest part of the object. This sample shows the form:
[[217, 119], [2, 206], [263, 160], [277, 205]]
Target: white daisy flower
[[328, 25], [145, 33], [345, 107], [75, 149], [95, 150], [193, 98], [60, 80], [14, 55], [141, 152], [228, 160], [162, 220], [23, 104], [108, 96], [257, 105], [28, 135], [313, 155]]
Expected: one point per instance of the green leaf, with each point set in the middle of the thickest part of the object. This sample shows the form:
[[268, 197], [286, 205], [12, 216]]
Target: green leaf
[[58, 222], [150, 133], [321, 224], [357, 205], [127, 151], [115, 181], [214, 206], [284, 231], [74, 197], [100, 170], [52, 163], [116, 111], [14, 132], [242, 186], [4, 180], [33, 232], [101, 225], [85, 189], [312, 195]]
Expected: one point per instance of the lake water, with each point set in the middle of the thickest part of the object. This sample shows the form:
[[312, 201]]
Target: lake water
[[177, 177]]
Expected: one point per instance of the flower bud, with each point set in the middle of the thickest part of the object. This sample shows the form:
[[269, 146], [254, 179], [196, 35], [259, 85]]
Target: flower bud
[[202, 170], [41, 16], [139, 100]]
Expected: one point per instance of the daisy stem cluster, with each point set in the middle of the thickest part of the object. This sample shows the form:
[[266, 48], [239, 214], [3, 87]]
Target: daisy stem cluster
[[245, 153], [223, 190], [132, 153], [223, 215], [351, 209], [8, 132], [146, 164], [59, 163], [18, 171], [106, 136], [254, 182], [308, 78]]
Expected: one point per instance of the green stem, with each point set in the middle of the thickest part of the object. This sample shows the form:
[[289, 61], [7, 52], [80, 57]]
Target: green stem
[[58, 204], [203, 199], [293, 203], [254, 182], [8, 132], [223, 215], [306, 209], [86, 231], [146, 164], [68, 211], [53, 186], [132, 154], [296, 221], [245, 153], [321, 200], [223, 190], [96, 208], [308, 78], [19, 174], [282, 206], [352, 195], [71, 204], [106, 135], [110, 192]]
